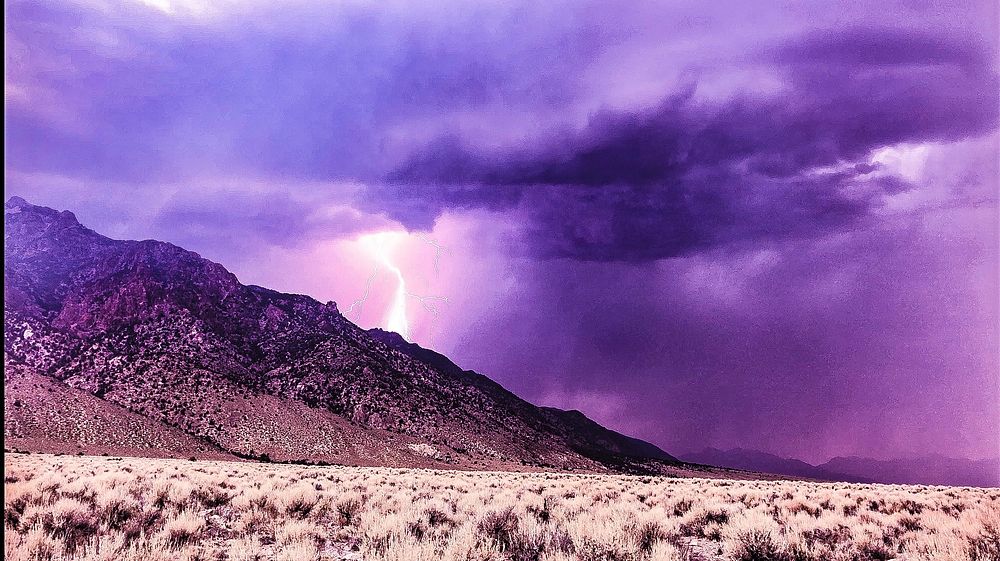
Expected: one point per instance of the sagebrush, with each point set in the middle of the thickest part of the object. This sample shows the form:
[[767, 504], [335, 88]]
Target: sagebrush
[[65, 507]]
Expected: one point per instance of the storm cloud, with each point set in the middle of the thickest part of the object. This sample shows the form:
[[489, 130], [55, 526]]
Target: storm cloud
[[687, 175]]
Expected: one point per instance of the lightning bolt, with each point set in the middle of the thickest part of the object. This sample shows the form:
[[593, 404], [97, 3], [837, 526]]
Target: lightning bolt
[[429, 303], [360, 302], [396, 316], [396, 320], [438, 250]]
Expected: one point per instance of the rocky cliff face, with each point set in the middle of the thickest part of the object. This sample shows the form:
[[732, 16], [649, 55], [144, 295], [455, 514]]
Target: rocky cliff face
[[175, 338]]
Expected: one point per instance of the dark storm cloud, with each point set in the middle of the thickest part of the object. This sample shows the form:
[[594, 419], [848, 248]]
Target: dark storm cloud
[[385, 98], [860, 46], [687, 175], [639, 224]]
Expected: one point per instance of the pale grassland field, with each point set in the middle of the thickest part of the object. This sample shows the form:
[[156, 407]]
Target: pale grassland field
[[69, 507]]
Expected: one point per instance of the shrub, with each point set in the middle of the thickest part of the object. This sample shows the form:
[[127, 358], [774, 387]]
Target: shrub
[[682, 507], [13, 510], [348, 508], [985, 545], [299, 501], [211, 496], [71, 522], [829, 537], [143, 523], [698, 523], [544, 512], [500, 528], [648, 534], [183, 529], [872, 550], [116, 509], [437, 517], [757, 545]]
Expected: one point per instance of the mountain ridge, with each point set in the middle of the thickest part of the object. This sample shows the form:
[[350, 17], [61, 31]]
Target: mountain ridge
[[931, 469], [166, 334]]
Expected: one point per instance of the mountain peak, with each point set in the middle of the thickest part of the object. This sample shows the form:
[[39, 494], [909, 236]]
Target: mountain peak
[[29, 220], [387, 336], [15, 203]]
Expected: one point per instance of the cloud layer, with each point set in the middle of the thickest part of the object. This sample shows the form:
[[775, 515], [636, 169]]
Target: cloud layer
[[685, 175]]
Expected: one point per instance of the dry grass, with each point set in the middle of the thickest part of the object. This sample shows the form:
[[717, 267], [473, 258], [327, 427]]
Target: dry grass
[[61, 507]]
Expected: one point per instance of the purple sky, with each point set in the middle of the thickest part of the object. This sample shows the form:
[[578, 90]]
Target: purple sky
[[723, 224]]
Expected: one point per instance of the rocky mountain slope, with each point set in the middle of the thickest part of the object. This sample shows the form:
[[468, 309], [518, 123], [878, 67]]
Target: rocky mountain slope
[[161, 333], [45, 415]]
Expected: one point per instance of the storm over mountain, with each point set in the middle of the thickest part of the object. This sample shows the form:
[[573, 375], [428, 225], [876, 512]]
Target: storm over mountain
[[179, 343], [766, 227]]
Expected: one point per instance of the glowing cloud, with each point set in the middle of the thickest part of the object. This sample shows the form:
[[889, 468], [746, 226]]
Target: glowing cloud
[[907, 161]]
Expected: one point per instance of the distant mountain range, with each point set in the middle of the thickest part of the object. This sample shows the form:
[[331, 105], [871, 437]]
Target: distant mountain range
[[927, 470], [142, 347]]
